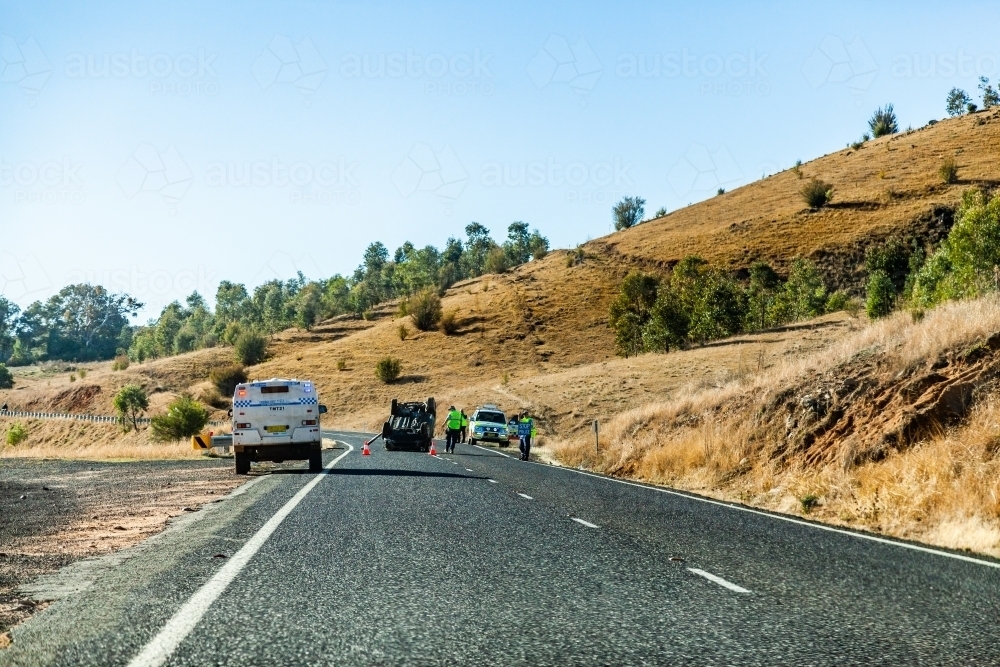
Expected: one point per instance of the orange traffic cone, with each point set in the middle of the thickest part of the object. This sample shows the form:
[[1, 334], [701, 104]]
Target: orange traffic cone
[[365, 451], [433, 451]]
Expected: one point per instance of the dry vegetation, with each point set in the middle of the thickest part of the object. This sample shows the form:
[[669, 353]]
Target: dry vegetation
[[869, 432], [717, 418]]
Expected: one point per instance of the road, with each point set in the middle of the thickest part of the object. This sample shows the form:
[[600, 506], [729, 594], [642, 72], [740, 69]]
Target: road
[[478, 558]]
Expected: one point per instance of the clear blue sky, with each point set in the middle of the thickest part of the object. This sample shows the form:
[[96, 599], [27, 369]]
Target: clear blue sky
[[160, 149]]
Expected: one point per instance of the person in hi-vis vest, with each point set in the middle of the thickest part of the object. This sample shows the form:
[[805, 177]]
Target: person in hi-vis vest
[[453, 429]]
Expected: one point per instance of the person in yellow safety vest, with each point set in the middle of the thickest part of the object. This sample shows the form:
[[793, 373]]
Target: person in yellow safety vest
[[453, 428], [525, 431], [465, 427]]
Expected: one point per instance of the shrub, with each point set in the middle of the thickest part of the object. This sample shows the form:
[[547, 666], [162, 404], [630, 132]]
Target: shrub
[[797, 169], [837, 302], [130, 401], [231, 333], [449, 323], [424, 308], [881, 295], [971, 107], [948, 171], [120, 363], [660, 212], [403, 332], [388, 369], [957, 102], [341, 364], [6, 378], [72, 377], [809, 502], [720, 191], [883, 122], [816, 193], [16, 434], [83, 373], [628, 212], [225, 378], [497, 261], [185, 417], [574, 257], [250, 348]]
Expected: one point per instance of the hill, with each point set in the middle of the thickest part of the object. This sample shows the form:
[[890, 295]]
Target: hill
[[537, 338]]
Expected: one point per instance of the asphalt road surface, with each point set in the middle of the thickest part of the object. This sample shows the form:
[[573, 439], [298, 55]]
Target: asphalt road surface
[[478, 558]]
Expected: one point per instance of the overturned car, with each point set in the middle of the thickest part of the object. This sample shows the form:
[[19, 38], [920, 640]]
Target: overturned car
[[410, 425]]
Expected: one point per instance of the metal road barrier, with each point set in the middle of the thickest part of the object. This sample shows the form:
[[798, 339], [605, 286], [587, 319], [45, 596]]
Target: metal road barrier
[[79, 417]]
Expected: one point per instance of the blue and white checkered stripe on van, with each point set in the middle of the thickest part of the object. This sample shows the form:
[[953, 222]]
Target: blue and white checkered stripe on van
[[248, 403]]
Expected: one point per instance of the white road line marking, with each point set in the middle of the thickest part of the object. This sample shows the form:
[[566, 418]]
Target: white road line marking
[[492, 451], [584, 523], [468, 470], [187, 617], [719, 580], [831, 529], [492, 481], [527, 497]]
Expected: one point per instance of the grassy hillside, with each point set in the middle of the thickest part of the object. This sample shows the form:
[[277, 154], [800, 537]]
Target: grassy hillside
[[731, 418]]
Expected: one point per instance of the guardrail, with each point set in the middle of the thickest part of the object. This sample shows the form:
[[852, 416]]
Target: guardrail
[[79, 417]]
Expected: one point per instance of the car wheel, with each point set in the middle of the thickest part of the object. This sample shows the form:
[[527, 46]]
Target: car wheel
[[315, 461], [242, 463]]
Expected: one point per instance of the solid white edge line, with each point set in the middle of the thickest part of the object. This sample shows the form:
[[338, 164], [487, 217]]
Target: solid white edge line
[[863, 536], [525, 496], [719, 580], [180, 625], [584, 523], [506, 456]]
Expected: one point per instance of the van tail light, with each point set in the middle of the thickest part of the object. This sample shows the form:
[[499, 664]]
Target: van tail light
[[243, 425], [308, 422]]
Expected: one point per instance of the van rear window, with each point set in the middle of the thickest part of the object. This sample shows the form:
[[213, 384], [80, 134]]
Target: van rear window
[[283, 389]]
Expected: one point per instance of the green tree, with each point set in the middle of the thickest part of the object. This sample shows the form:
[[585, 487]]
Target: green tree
[[881, 295], [8, 319], [669, 323], [477, 248], [130, 402], [957, 102], [803, 295], [761, 295], [424, 308], [6, 378], [184, 418], [990, 96], [497, 261], [631, 309], [628, 212]]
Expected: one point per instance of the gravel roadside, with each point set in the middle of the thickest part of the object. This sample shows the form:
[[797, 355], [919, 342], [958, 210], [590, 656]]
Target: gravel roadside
[[55, 512]]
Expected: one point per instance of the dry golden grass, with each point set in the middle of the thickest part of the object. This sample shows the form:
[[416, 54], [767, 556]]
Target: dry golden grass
[[886, 186], [66, 439], [944, 489]]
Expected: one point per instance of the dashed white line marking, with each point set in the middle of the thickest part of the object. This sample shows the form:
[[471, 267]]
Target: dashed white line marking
[[492, 451], [492, 481], [719, 580], [584, 523], [778, 517], [159, 649], [468, 470], [527, 497]]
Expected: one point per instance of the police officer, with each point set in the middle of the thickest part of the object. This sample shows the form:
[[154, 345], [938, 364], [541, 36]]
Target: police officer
[[526, 430], [453, 429], [465, 427]]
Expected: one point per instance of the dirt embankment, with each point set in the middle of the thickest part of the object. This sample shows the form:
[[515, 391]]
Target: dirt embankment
[[893, 429]]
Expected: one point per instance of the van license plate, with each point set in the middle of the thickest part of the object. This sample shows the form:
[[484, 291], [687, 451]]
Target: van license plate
[[275, 429]]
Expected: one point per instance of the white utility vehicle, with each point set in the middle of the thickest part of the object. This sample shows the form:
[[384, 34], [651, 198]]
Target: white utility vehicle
[[488, 424], [277, 420]]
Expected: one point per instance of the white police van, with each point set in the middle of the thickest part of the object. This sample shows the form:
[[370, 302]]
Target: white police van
[[277, 420]]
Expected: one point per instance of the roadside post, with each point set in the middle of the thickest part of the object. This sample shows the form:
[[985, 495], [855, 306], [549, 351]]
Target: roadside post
[[597, 435]]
